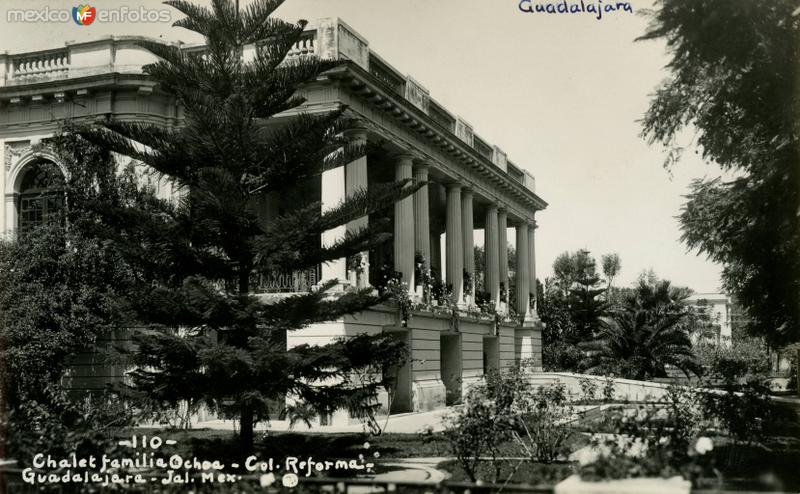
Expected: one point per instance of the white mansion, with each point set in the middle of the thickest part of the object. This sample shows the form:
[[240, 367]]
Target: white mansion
[[472, 185]]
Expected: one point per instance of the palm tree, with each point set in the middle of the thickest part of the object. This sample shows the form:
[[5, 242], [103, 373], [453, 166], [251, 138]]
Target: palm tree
[[648, 333]]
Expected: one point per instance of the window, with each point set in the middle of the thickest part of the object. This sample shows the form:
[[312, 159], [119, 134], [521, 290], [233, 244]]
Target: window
[[41, 195]]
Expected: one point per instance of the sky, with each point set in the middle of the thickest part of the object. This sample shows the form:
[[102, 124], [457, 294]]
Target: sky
[[562, 95]]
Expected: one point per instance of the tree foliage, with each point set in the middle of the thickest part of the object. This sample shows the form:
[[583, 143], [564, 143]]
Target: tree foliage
[[208, 339], [64, 288], [612, 265], [645, 335], [733, 78]]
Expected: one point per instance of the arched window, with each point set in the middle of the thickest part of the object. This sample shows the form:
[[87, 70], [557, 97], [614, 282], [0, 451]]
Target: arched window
[[41, 195]]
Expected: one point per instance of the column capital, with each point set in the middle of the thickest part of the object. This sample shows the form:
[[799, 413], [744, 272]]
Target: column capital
[[454, 185], [356, 133], [402, 156], [422, 165]]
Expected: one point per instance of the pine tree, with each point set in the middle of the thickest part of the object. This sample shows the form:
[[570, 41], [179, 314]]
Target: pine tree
[[587, 306], [209, 339]]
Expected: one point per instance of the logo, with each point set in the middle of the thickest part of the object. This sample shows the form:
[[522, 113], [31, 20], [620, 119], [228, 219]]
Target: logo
[[83, 15]]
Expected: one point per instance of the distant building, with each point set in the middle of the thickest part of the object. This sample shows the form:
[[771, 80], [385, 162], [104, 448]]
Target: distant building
[[718, 306]]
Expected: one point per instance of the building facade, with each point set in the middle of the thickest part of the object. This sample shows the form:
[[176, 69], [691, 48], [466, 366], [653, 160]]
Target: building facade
[[718, 308], [472, 185]]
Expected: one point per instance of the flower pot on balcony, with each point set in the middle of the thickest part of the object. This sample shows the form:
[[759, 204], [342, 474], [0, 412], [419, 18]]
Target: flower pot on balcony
[[648, 485]]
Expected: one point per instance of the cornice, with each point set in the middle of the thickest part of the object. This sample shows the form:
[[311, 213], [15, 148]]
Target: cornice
[[381, 96]]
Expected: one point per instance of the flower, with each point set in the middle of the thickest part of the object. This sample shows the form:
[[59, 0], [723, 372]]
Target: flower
[[267, 480], [366, 445], [587, 456], [704, 445]]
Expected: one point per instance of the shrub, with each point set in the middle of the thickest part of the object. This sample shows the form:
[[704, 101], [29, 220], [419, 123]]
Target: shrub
[[608, 388], [743, 360], [507, 408], [60, 427], [588, 389], [541, 425], [560, 356], [652, 440], [477, 430], [742, 411]]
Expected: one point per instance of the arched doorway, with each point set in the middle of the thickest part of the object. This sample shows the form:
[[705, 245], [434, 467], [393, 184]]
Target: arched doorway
[[41, 195]]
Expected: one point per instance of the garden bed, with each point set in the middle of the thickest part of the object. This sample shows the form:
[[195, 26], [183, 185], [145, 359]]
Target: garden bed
[[524, 472]]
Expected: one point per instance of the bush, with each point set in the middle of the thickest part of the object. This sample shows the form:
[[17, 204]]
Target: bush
[[743, 360], [542, 424], [655, 440], [560, 356], [742, 411], [60, 427], [507, 408], [477, 430], [588, 389]]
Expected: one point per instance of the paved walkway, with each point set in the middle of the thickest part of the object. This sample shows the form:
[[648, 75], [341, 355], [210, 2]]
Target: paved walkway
[[407, 423], [413, 470]]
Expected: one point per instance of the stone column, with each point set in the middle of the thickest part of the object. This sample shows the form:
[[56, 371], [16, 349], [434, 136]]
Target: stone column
[[532, 269], [491, 246], [523, 273], [355, 181], [436, 252], [502, 241], [467, 230], [453, 251], [422, 227], [333, 194], [404, 225]]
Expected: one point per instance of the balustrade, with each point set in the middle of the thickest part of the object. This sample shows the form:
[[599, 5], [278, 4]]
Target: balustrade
[[307, 45], [287, 282], [49, 64]]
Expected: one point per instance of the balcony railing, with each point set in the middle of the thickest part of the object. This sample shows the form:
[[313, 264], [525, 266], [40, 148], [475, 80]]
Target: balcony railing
[[330, 39], [307, 45], [49, 64], [288, 282]]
